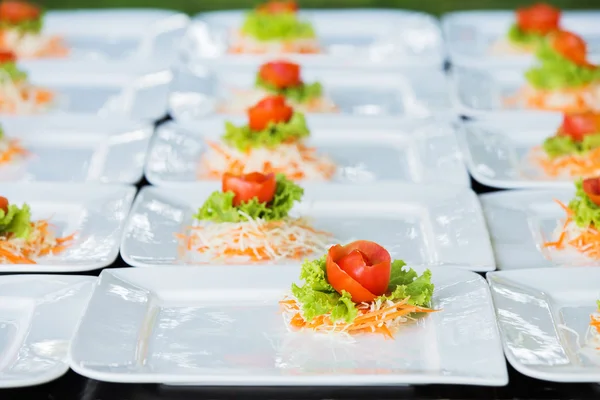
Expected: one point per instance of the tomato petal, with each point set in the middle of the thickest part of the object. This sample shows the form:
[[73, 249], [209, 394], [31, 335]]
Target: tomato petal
[[250, 186], [591, 187], [579, 125], [539, 18], [18, 11], [4, 204], [341, 281], [281, 74], [570, 46], [7, 56], [271, 109]]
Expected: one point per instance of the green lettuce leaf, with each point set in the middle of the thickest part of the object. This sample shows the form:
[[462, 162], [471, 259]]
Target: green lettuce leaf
[[318, 297], [219, 205], [17, 221], [13, 72], [556, 146], [556, 72], [33, 26], [300, 94], [243, 138], [519, 37], [283, 26], [585, 212]]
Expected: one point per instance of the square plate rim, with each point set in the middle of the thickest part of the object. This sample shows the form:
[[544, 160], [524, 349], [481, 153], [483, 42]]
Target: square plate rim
[[349, 379]]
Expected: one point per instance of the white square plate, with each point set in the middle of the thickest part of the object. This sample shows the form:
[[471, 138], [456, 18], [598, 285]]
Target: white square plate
[[426, 225], [350, 38], [534, 307], [364, 149], [201, 90], [497, 149], [470, 35], [132, 90], [521, 221], [118, 34], [38, 317], [220, 325], [95, 212], [77, 149]]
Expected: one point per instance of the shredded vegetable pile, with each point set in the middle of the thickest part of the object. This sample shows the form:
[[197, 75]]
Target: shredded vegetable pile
[[571, 100], [23, 240], [11, 150], [256, 240], [18, 97], [318, 307], [32, 45], [295, 160], [593, 333], [572, 165], [248, 45]]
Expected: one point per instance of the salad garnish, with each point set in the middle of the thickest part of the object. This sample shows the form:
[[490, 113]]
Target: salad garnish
[[593, 335], [357, 288], [564, 80], [10, 149], [23, 240], [275, 27], [282, 77], [17, 96], [579, 231], [248, 220], [574, 150], [271, 142], [20, 31]]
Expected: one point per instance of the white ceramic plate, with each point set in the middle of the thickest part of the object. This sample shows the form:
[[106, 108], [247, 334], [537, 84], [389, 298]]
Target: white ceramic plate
[[533, 307], [379, 38], [77, 149], [119, 89], [118, 34], [428, 225], [497, 149], [95, 212], [201, 90], [365, 149], [470, 35], [521, 221], [221, 326], [38, 317]]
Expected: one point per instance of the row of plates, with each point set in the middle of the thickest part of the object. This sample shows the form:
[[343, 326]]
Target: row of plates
[[204, 326], [433, 225], [385, 38]]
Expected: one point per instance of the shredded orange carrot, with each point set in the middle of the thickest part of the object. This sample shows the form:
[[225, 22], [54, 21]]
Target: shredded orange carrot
[[49, 47], [302, 163], [383, 321], [587, 242], [581, 99], [13, 150], [576, 165], [41, 242]]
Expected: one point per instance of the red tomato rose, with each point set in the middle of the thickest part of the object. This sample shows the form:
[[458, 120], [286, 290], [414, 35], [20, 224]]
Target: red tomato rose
[[281, 74], [570, 46], [361, 268], [579, 125], [249, 186], [591, 187], [4, 204], [270, 109], [278, 7], [7, 56], [539, 18], [18, 11]]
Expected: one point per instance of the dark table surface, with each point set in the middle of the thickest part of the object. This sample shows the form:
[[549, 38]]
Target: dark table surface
[[76, 387]]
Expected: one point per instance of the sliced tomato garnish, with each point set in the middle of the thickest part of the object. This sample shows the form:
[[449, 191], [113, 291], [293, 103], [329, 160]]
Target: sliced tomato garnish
[[270, 109], [278, 7], [4, 204], [361, 268], [18, 11], [7, 56], [539, 18], [281, 74], [577, 126], [591, 187], [570, 46], [249, 186]]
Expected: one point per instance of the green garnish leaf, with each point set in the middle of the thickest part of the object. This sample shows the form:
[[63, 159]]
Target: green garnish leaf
[[32, 26], [318, 297], [17, 221], [300, 94], [557, 146], [281, 26], [557, 72], [243, 138], [219, 205], [519, 37], [13, 72], [585, 212]]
